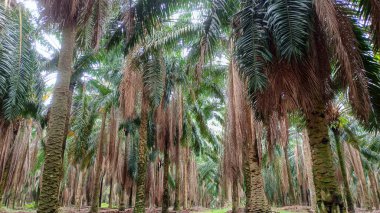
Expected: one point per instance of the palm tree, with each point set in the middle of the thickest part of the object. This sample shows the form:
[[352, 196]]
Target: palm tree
[[271, 56], [69, 15], [21, 84]]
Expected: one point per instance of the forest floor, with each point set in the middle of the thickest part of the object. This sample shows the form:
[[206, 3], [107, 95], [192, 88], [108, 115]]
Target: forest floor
[[286, 209]]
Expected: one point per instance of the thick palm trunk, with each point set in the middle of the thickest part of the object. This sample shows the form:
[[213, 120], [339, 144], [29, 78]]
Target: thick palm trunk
[[327, 193], [48, 201], [177, 176], [98, 168], [254, 192], [166, 195], [142, 162], [342, 165]]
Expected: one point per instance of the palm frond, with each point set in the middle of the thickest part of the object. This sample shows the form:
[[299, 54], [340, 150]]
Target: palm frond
[[289, 22]]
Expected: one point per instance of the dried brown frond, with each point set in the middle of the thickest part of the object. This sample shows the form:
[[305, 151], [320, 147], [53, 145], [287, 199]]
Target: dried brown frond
[[129, 88], [100, 14], [355, 77], [328, 21], [202, 58], [233, 143], [375, 23], [339, 32], [290, 87], [66, 12]]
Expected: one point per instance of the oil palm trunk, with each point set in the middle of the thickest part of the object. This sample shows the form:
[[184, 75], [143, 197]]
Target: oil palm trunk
[[342, 165], [98, 168], [142, 162], [326, 187], [48, 201], [254, 192]]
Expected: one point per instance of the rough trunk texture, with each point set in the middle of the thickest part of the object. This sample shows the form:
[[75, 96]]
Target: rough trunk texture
[[98, 168], [254, 192], [48, 201], [327, 193], [166, 195], [342, 165], [142, 162]]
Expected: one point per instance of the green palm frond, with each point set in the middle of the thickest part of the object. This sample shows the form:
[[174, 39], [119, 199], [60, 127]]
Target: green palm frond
[[372, 68], [153, 78], [289, 22], [19, 75], [251, 45]]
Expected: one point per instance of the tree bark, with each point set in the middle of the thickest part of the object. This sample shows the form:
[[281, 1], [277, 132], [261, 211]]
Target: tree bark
[[327, 193], [254, 192], [48, 201], [98, 168], [342, 165], [142, 162]]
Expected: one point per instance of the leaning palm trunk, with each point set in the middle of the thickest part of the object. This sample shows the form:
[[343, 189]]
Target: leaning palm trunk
[[98, 168], [142, 162], [48, 200], [342, 164], [327, 193], [255, 195]]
